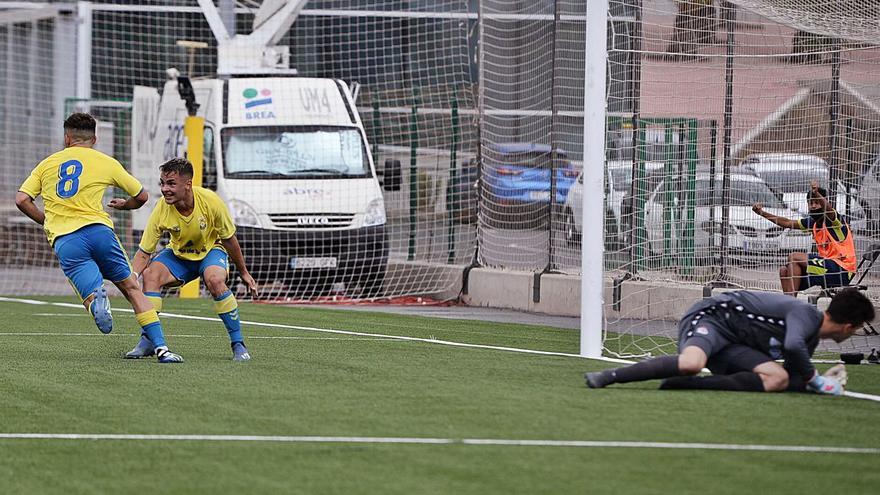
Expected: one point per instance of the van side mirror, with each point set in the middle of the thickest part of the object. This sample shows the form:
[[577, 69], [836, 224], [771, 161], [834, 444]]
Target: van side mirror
[[392, 176]]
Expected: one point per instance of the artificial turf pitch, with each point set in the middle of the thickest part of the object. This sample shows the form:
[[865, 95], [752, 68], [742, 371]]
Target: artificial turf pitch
[[61, 376]]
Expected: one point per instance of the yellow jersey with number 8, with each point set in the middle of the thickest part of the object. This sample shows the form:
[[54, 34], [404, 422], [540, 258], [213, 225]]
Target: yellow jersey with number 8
[[72, 183]]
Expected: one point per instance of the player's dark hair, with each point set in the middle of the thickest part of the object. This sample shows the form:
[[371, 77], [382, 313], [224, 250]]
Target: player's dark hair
[[181, 166], [80, 126], [851, 306], [821, 190]]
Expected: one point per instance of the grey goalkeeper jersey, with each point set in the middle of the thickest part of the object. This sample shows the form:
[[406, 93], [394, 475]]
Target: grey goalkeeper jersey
[[778, 325]]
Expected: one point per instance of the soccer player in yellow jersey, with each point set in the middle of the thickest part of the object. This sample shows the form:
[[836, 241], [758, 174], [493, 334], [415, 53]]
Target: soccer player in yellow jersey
[[72, 183], [202, 239]]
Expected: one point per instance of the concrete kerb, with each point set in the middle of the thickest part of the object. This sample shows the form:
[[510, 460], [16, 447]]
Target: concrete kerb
[[559, 294]]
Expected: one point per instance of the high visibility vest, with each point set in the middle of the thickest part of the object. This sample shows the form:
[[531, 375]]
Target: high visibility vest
[[843, 252]]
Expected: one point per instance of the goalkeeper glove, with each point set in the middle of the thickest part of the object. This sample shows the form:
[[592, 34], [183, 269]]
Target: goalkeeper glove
[[838, 372], [824, 385]]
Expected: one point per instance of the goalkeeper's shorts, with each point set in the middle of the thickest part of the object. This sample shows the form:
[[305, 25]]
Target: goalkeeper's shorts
[[701, 330], [724, 357]]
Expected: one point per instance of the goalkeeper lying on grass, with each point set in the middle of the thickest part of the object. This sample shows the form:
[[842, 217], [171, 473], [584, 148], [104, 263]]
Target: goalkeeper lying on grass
[[739, 335]]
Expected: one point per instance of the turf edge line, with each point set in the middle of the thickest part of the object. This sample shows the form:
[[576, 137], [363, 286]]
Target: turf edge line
[[445, 441]]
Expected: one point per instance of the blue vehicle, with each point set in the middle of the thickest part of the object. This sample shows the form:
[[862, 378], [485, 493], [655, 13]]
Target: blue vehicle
[[515, 185]]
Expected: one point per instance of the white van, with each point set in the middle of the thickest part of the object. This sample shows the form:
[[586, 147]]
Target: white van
[[290, 157]]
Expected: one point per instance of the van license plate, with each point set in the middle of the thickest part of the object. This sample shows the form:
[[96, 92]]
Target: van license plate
[[758, 246], [299, 263]]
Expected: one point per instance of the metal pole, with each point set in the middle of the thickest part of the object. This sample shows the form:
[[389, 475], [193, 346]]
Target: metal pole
[[453, 157], [729, 13], [554, 153], [637, 235], [833, 165], [593, 246], [377, 127], [691, 201], [194, 130], [227, 15], [713, 154], [479, 155], [850, 161], [413, 175]]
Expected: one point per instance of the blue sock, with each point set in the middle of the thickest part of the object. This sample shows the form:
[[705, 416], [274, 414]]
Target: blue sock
[[227, 310], [153, 331], [151, 327]]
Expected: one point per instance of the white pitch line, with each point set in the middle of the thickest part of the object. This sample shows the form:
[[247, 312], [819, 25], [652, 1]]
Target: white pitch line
[[446, 441], [177, 335], [855, 395], [339, 332]]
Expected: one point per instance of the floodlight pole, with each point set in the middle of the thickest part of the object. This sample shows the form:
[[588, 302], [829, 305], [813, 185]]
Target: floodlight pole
[[593, 244]]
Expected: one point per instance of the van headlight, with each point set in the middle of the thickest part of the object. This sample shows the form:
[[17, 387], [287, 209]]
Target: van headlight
[[243, 214], [375, 214]]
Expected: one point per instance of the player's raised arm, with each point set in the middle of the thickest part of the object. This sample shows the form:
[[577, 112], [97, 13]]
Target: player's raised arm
[[819, 203]]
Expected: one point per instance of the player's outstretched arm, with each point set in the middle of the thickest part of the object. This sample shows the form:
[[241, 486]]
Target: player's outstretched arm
[[132, 203], [26, 204], [234, 249], [783, 222]]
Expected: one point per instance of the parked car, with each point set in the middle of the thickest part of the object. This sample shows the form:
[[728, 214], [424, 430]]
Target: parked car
[[515, 185], [618, 202], [747, 232], [869, 195], [572, 213], [791, 175]]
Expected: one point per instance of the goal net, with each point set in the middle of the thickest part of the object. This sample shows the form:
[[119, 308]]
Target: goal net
[[361, 201], [472, 146], [734, 104]]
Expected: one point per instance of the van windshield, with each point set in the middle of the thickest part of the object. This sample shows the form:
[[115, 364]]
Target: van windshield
[[293, 152]]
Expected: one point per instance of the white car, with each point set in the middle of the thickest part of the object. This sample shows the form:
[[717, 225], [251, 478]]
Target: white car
[[668, 209], [791, 175], [869, 194], [618, 181]]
